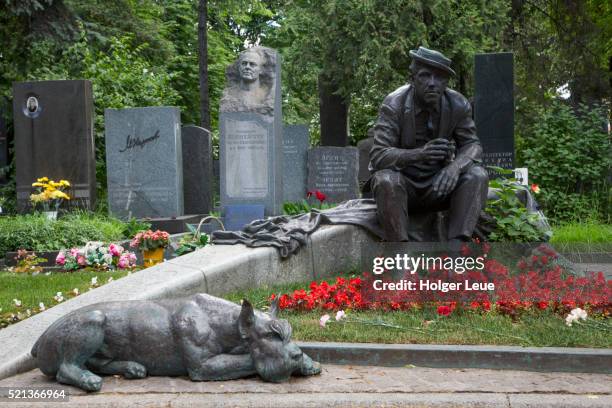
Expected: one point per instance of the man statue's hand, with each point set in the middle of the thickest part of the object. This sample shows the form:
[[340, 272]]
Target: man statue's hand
[[446, 180], [436, 150]]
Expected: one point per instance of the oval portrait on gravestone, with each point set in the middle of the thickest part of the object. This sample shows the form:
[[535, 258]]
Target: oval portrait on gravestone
[[31, 107]]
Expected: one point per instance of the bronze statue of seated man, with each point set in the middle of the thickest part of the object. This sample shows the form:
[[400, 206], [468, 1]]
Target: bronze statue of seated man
[[426, 155]]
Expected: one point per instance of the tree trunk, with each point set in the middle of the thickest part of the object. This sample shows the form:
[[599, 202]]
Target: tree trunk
[[203, 57], [333, 110]]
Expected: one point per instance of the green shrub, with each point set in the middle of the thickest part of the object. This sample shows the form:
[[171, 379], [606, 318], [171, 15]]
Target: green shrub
[[35, 232], [513, 223], [568, 155]]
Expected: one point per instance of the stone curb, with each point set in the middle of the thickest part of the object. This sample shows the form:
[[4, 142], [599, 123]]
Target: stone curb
[[214, 269], [540, 359]]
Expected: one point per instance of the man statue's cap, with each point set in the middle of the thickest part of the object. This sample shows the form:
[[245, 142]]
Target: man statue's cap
[[432, 58]]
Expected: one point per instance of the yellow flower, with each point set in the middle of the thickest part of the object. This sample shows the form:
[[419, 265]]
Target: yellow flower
[[37, 198], [59, 195], [43, 179], [65, 183], [37, 184], [50, 188]]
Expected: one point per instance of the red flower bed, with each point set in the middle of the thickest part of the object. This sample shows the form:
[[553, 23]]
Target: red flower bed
[[540, 285]]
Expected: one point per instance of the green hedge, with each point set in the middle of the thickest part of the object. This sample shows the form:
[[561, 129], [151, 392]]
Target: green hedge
[[35, 232]]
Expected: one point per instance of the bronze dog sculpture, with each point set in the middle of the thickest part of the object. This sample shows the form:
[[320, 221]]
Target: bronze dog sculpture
[[204, 337]]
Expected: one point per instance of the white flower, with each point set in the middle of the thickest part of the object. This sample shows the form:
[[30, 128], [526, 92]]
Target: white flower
[[17, 302], [340, 314], [58, 297], [574, 315], [323, 320], [110, 279], [41, 307], [108, 259], [75, 291], [579, 313], [94, 281], [29, 312]]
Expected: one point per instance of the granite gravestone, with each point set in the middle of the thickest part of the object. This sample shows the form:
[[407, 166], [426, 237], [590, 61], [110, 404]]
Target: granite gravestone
[[333, 171], [144, 162], [53, 124], [197, 170], [295, 155], [4, 160], [251, 151], [494, 108]]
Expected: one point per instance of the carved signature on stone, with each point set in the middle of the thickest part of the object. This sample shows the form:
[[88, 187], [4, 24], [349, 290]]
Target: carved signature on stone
[[131, 143]]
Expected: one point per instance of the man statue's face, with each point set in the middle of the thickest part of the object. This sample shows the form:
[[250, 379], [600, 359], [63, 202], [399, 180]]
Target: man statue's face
[[429, 84], [250, 66]]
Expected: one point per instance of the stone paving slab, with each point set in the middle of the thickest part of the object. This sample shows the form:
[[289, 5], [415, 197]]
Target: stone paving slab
[[347, 386]]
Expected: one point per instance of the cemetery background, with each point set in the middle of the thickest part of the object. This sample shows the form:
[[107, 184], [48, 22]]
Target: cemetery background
[[151, 60]]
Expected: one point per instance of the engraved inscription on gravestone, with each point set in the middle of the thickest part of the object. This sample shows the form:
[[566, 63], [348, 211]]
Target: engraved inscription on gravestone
[[246, 147], [333, 171], [144, 162]]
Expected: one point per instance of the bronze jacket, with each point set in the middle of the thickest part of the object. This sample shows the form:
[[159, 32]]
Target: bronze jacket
[[394, 132]]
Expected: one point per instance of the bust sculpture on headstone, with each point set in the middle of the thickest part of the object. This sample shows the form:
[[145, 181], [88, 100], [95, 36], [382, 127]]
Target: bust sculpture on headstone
[[426, 156], [251, 135], [250, 82]]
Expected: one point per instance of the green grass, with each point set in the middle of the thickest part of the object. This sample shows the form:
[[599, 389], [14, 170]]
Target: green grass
[[582, 233], [33, 289], [543, 329]]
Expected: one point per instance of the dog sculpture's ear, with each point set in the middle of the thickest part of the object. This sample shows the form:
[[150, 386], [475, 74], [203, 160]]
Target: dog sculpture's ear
[[274, 308], [246, 320]]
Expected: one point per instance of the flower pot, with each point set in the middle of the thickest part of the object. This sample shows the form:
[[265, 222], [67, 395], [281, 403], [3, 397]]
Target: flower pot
[[51, 215], [153, 257]]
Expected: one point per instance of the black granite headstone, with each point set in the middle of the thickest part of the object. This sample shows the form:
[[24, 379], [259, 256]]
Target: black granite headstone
[[295, 156], [494, 108], [53, 122], [197, 170]]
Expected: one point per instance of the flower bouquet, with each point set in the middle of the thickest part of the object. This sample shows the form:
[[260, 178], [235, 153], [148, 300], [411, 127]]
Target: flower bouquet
[[50, 194], [98, 256], [152, 243]]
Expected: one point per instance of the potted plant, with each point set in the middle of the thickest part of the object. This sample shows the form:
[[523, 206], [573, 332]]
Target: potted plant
[[50, 194], [152, 243]]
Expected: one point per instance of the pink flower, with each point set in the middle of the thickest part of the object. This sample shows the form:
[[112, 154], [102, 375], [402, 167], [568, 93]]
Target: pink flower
[[124, 261], [340, 314], [132, 257], [81, 260], [323, 320], [61, 258], [115, 250], [74, 252]]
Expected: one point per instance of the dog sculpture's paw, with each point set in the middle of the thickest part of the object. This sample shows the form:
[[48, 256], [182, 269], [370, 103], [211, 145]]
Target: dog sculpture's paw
[[135, 370]]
